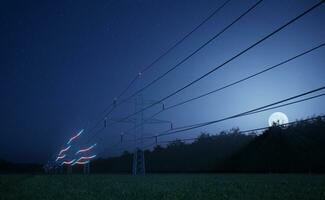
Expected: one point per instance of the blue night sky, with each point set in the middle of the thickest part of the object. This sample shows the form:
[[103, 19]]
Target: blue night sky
[[63, 62]]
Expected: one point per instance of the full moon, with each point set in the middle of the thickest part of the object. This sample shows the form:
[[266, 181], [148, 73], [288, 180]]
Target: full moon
[[278, 118]]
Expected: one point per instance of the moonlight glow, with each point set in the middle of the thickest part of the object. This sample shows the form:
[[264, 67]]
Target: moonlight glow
[[278, 118]]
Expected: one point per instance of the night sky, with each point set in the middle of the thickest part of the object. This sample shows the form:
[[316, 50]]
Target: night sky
[[63, 62]]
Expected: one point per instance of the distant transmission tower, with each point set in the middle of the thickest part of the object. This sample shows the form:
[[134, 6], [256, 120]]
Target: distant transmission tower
[[86, 168], [138, 166]]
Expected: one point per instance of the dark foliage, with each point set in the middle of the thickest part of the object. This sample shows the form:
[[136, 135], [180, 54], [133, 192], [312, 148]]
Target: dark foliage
[[296, 148], [7, 167]]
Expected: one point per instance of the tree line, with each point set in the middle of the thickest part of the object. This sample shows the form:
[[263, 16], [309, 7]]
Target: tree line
[[295, 148]]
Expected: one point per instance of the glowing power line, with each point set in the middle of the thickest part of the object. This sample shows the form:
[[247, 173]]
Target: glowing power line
[[60, 157], [64, 150], [68, 162], [86, 149], [81, 162], [74, 137], [86, 157], [84, 160]]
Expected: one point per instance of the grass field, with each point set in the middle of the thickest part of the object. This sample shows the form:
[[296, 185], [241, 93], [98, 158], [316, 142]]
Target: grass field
[[183, 186]]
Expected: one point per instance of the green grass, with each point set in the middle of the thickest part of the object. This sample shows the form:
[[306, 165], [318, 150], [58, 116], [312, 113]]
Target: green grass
[[182, 186]]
